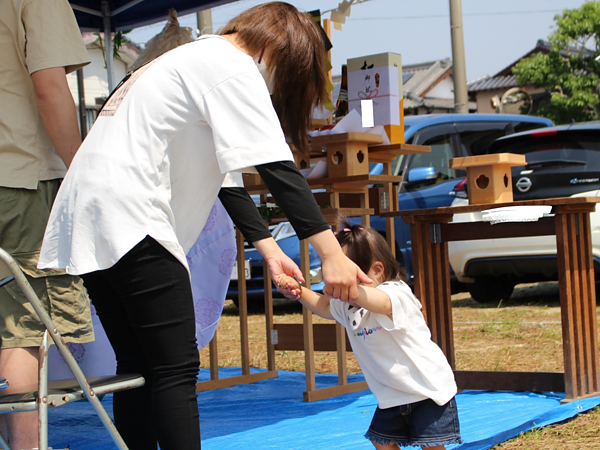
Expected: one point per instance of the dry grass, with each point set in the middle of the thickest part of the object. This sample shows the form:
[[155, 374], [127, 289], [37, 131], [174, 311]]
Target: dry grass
[[522, 334]]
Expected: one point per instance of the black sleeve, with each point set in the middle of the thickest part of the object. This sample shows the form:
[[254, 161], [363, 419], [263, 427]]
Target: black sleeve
[[243, 212], [293, 195]]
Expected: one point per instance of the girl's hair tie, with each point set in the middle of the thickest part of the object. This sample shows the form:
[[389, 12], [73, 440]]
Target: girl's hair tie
[[345, 230]]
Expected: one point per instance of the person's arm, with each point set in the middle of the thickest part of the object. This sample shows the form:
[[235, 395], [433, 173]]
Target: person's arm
[[58, 112], [342, 273], [374, 300], [370, 298], [317, 303], [294, 197], [243, 212]]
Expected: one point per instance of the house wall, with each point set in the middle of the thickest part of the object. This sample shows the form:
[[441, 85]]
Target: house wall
[[95, 77], [483, 98], [484, 105], [444, 89]]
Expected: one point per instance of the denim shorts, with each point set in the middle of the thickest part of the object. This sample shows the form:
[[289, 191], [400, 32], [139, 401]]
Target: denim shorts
[[420, 424]]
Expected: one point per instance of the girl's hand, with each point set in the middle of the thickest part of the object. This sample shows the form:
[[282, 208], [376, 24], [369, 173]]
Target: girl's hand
[[288, 286]]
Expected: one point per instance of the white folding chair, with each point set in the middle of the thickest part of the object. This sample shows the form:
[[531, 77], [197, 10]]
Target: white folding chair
[[56, 393]]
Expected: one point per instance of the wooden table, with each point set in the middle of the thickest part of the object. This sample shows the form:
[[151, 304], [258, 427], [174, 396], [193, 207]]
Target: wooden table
[[431, 231]]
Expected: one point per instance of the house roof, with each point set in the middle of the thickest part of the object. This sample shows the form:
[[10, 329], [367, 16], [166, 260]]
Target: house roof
[[418, 79], [505, 78], [487, 83]]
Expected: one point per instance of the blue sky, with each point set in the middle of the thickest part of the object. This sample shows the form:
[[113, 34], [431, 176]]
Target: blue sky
[[496, 33]]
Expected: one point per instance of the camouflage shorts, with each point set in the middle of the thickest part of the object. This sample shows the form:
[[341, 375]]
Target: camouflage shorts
[[23, 217]]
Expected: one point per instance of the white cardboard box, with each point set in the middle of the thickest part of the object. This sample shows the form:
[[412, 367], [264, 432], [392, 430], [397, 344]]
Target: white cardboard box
[[379, 78]]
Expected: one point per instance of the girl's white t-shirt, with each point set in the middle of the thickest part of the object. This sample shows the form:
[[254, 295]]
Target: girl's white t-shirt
[[400, 362], [157, 155]]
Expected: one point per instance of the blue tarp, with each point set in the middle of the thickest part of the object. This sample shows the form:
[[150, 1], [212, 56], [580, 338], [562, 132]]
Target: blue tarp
[[271, 415]]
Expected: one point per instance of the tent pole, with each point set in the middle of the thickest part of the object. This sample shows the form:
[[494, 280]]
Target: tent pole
[[204, 21], [108, 45], [82, 108]]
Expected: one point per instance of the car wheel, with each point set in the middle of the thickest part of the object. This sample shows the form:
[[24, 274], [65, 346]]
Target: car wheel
[[491, 289]]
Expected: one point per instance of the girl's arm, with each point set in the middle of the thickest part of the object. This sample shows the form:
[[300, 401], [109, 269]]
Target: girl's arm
[[317, 303], [374, 300]]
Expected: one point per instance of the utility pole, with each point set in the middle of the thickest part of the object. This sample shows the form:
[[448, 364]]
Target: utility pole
[[459, 71], [204, 20]]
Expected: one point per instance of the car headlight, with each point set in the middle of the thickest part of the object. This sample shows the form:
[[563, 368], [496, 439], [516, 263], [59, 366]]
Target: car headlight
[[316, 276]]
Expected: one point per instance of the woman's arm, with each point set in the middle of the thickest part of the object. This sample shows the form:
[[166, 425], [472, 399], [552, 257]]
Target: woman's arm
[[243, 212], [294, 197]]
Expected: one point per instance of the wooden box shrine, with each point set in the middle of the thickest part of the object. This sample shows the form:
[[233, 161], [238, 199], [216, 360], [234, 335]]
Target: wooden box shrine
[[489, 178]]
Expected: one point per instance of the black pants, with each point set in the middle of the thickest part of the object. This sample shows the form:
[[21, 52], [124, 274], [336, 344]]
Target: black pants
[[145, 305]]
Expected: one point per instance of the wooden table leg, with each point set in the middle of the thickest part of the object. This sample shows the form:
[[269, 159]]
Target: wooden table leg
[[309, 345], [578, 304], [431, 269]]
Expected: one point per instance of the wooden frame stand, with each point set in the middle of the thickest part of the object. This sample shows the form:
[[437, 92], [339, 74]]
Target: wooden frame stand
[[431, 231]]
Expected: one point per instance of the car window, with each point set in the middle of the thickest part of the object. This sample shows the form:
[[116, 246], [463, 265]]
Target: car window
[[438, 158], [526, 126], [477, 137], [558, 141], [582, 147], [398, 163], [475, 143]]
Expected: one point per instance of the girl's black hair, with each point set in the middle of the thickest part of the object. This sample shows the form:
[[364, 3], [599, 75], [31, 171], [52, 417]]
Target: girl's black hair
[[364, 246]]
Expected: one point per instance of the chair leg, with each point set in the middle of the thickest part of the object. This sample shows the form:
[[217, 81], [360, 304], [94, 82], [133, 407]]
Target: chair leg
[[63, 350], [42, 399], [3, 444]]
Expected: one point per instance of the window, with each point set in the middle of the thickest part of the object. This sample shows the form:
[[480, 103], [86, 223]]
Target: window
[[438, 158]]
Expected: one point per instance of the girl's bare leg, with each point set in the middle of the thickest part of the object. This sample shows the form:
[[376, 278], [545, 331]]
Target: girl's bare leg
[[386, 447]]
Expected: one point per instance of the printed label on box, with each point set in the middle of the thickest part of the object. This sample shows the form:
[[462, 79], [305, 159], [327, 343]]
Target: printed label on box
[[377, 78]]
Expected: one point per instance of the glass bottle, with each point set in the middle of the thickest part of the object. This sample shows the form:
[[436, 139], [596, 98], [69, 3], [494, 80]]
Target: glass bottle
[[341, 107]]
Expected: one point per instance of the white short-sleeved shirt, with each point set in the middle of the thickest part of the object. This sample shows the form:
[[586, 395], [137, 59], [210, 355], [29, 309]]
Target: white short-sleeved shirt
[[157, 155], [400, 362]]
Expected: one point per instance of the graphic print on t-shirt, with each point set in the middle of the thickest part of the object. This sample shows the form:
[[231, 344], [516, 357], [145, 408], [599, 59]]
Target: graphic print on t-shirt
[[116, 98]]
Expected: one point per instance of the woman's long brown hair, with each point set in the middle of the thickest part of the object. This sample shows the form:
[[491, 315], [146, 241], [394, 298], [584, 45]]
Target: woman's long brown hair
[[298, 56]]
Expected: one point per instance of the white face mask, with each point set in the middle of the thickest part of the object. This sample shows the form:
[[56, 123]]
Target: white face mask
[[264, 71]]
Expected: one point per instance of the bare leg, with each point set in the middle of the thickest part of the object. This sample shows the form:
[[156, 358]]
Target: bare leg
[[437, 447], [19, 367], [386, 447]]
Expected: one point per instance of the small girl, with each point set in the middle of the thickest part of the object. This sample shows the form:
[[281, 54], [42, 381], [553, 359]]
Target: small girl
[[406, 371]]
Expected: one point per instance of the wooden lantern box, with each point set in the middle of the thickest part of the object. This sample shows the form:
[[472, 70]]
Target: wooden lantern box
[[488, 176], [347, 153]]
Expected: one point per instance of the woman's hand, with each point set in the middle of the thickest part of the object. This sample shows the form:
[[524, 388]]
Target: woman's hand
[[279, 264], [341, 276]]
